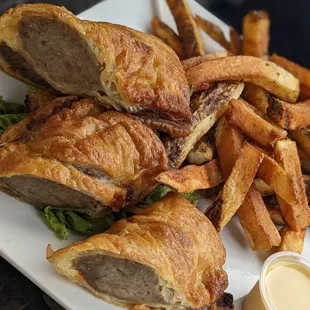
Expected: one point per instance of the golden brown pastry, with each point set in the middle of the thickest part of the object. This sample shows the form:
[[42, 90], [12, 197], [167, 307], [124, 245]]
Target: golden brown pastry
[[169, 255], [70, 155], [131, 71]]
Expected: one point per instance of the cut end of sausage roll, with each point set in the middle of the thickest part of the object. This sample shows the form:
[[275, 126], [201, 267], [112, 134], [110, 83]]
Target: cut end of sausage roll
[[125, 69], [168, 256], [42, 192], [71, 155]]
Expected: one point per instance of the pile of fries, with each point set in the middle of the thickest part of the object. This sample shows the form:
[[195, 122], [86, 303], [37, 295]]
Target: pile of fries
[[249, 147]]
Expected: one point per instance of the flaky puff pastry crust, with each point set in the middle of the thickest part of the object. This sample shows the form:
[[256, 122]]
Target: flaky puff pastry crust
[[171, 236], [138, 71], [70, 135]]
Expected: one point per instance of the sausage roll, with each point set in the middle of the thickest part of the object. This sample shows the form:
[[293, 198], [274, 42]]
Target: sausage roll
[[48, 46], [72, 155], [168, 256]]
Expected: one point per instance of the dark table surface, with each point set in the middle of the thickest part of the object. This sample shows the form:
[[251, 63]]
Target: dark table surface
[[290, 30]]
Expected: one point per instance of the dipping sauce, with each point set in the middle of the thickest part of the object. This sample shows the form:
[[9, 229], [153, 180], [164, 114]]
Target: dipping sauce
[[288, 286], [284, 284]]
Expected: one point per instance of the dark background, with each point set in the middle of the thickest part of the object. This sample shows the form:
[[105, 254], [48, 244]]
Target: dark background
[[290, 28]]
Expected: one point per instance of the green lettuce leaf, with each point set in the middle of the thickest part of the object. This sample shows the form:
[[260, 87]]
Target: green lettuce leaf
[[161, 191], [192, 197], [55, 224], [158, 193], [10, 114], [87, 225], [60, 215], [58, 221], [10, 107], [7, 120]]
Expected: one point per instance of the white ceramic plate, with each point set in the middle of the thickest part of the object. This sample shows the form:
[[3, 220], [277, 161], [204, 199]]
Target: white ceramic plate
[[24, 236]]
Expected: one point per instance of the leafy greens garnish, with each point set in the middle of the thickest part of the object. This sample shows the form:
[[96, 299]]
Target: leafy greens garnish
[[59, 221], [10, 114], [55, 224], [161, 191]]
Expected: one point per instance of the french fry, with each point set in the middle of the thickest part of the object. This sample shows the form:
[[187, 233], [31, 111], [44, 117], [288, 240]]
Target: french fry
[[256, 222], [194, 61], [208, 107], [234, 192], [213, 31], [253, 215], [235, 42], [260, 72], [301, 73], [276, 216], [302, 137], [277, 178], [166, 34], [189, 32], [271, 200], [292, 241], [191, 177], [251, 122], [257, 97], [203, 151], [295, 214], [275, 213], [256, 35], [290, 116], [263, 188], [256, 26], [228, 141]]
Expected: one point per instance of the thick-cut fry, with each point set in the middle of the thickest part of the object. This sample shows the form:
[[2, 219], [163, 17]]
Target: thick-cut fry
[[257, 97], [194, 61], [290, 116], [235, 42], [203, 151], [256, 222], [256, 36], [256, 26], [208, 107], [251, 122], [278, 180], [292, 241], [191, 177], [271, 201], [228, 142], [248, 69], [253, 216], [302, 137], [276, 216], [263, 188], [301, 73], [235, 191], [294, 214], [213, 31], [188, 29], [166, 34]]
